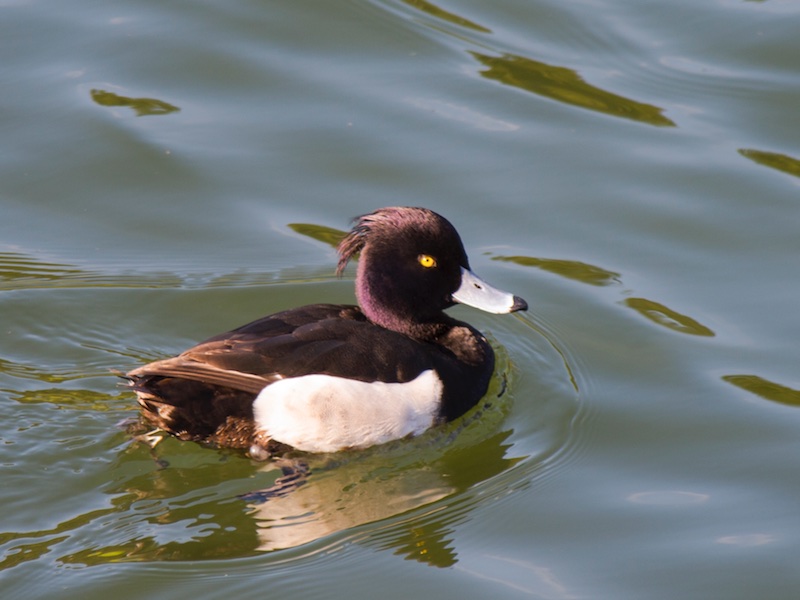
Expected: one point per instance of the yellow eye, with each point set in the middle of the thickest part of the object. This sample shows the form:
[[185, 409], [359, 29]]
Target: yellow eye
[[426, 261]]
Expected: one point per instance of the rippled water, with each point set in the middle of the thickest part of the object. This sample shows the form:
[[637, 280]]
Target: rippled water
[[172, 170]]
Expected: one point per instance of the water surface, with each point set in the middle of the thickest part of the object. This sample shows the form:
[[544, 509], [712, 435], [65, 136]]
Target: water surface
[[170, 171]]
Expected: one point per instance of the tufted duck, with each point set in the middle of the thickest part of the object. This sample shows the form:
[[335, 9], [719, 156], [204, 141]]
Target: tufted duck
[[323, 377]]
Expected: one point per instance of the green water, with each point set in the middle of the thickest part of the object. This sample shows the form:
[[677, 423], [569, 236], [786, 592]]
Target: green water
[[172, 170]]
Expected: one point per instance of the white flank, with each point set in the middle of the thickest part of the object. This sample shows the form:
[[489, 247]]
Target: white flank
[[321, 413]]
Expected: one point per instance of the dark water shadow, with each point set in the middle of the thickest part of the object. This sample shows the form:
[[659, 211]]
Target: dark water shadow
[[570, 269], [666, 317], [780, 162], [143, 107], [321, 233], [593, 275], [439, 13], [567, 86], [766, 389], [549, 81]]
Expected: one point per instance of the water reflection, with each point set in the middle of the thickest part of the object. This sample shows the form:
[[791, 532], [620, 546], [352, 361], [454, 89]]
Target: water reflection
[[64, 398], [170, 509], [20, 271], [16, 266], [142, 106], [594, 275], [666, 317], [442, 14], [769, 390], [779, 162], [194, 504], [571, 269], [321, 233], [565, 85], [521, 575], [559, 83], [343, 498], [385, 486]]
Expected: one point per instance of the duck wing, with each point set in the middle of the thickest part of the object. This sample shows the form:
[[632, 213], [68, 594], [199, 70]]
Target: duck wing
[[286, 344]]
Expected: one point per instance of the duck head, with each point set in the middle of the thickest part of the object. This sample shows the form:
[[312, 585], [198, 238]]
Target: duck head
[[412, 266]]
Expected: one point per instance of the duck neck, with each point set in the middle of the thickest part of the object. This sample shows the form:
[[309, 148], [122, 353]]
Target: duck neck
[[387, 308]]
